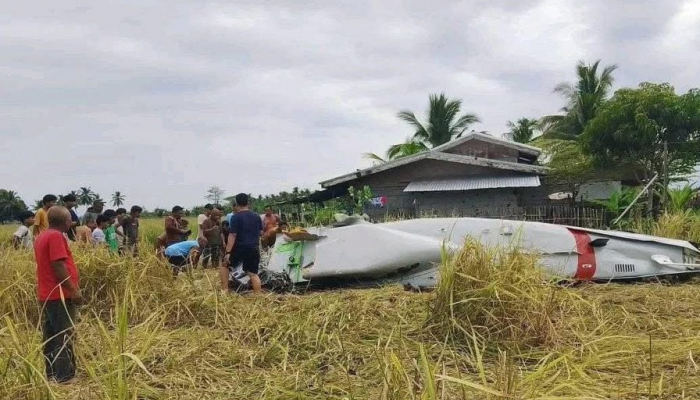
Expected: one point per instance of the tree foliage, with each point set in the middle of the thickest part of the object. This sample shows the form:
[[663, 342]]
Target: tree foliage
[[443, 122], [118, 199], [634, 125], [522, 131], [682, 198], [215, 194], [570, 167], [86, 196], [10, 205], [584, 100], [619, 201], [408, 148]]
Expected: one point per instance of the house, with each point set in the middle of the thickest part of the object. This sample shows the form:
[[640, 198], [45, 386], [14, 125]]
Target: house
[[466, 176]]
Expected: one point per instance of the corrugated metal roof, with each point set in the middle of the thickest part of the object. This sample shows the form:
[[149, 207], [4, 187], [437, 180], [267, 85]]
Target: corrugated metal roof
[[472, 183]]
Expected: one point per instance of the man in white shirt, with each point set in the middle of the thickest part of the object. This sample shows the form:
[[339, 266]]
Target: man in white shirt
[[98, 234], [23, 237]]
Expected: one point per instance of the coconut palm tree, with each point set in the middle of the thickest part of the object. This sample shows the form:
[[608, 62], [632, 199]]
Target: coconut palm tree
[[443, 121], [85, 196], [118, 199], [405, 149], [523, 130], [583, 100]]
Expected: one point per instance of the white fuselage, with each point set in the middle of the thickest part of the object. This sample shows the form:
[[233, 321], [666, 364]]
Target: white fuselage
[[410, 251]]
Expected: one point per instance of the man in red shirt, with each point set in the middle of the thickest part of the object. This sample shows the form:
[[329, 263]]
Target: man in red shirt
[[59, 293]]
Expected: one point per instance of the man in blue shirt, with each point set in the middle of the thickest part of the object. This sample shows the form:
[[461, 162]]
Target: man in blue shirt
[[180, 255], [243, 244]]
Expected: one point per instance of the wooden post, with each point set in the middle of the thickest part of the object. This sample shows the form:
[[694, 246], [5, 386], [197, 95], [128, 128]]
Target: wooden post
[[664, 193]]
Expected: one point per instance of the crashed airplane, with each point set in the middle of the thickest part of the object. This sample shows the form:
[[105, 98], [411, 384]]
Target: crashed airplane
[[409, 252]]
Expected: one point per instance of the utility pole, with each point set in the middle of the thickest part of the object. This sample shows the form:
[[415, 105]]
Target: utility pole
[[664, 194]]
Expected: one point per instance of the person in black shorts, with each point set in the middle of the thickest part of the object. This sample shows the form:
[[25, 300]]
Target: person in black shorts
[[243, 244]]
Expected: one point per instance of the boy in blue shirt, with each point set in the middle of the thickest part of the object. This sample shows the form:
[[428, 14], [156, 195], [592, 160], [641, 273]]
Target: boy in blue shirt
[[180, 255], [243, 244]]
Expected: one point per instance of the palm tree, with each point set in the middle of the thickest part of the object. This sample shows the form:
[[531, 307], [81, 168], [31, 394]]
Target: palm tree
[[523, 130], [10, 205], [443, 121], [118, 199], [85, 196], [681, 198], [405, 149], [583, 100]]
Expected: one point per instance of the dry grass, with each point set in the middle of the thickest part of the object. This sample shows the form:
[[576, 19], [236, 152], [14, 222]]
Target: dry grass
[[495, 328]]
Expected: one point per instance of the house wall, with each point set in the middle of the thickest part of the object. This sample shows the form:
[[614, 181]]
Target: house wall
[[391, 183], [599, 190]]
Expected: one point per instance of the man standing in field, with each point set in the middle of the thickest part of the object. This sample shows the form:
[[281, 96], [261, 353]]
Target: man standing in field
[[58, 290], [200, 220], [243, 244], [211, 229], [83, 233], [130, 223], [99, 238], [23, 238], [92, 212], [174, 230], [271, 223], [70, 201], [41, 220], [121, 212], [111, 231], [203, 217]]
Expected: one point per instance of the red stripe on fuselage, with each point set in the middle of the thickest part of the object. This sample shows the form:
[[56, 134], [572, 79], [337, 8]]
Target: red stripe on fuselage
[[586, 266]]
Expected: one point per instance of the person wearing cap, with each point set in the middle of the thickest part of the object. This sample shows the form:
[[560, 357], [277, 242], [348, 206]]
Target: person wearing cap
[[174, 227]]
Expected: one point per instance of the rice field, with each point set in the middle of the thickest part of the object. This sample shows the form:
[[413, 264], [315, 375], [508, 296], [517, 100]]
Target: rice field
[[495, 328]]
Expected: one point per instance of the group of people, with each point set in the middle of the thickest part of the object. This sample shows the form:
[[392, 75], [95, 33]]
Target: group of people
[[222, 242], [115, 229], [226, 243]]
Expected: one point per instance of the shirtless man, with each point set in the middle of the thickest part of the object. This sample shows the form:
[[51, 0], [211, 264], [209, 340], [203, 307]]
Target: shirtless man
[[175, 227], [211, 229], [83, 233], [271, 223]]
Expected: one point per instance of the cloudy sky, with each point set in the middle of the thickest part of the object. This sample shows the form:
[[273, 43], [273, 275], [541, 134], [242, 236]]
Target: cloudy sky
[[163, 99]]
